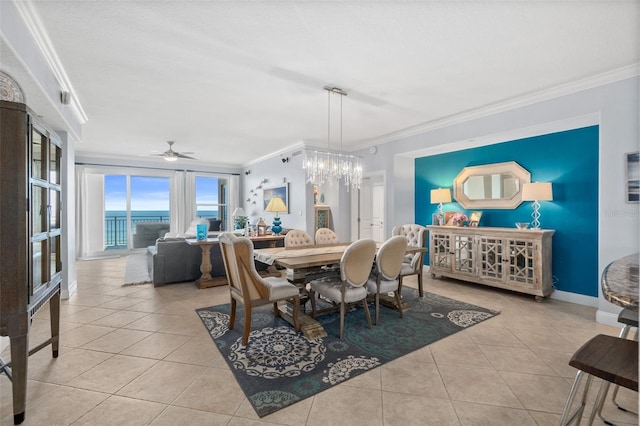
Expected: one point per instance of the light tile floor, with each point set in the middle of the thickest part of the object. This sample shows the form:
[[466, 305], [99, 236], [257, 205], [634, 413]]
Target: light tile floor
[[139, 355]]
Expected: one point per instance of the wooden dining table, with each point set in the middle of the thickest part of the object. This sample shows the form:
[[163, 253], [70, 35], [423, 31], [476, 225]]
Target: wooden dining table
[[304, 263]]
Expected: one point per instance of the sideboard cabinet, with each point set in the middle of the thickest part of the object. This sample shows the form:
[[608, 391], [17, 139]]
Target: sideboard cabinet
[[513, 259], [30, 238]]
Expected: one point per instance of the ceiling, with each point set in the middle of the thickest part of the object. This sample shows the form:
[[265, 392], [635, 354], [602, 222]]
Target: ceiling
[[233, 81]]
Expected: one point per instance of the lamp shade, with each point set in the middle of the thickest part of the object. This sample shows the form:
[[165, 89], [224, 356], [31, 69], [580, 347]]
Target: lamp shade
[[440, 195], [239, 211], [276, 205], [537, 191]]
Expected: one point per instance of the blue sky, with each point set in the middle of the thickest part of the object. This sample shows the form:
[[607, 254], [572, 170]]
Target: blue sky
[[151, 193]]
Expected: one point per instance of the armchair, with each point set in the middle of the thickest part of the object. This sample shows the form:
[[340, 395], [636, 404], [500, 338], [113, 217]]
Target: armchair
[[384, 278], [248, 287], [350, 286], [326, 236], [413, 264]]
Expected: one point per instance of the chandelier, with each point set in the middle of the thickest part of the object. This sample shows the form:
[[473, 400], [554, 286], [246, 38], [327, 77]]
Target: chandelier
[[325, 166]]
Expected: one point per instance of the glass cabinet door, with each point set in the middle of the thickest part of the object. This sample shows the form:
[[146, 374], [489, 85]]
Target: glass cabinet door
[[45, 211]]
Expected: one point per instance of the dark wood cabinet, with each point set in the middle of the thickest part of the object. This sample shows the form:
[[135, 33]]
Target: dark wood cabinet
[[30, 238]]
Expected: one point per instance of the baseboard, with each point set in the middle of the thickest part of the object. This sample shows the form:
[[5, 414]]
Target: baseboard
[[608, 318], [579, 299], [71, 289], [565, 296]]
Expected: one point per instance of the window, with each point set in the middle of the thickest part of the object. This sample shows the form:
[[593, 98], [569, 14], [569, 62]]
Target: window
[[212, 199], [145, 200]]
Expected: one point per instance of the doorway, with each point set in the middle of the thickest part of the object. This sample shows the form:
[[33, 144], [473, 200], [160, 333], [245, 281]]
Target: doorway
[[371, 207]]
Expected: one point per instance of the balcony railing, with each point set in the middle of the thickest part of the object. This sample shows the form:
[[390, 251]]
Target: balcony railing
[[115, 229]]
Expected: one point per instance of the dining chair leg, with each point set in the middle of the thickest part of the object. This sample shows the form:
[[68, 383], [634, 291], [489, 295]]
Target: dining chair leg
[[312, 298], [276, 310], [232, 318], [377, 306], [342, 312], [398, 301], [247, 325], [420, 289], [366, 311], [296, 309]]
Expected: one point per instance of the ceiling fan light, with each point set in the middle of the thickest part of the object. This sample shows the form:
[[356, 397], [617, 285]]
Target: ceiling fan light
[[171, 158]]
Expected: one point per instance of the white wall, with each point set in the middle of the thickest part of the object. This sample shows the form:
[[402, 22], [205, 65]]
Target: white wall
[[276, 173], [615, 108]]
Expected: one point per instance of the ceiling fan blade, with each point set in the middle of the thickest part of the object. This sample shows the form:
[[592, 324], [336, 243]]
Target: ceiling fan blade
[[186, 156]]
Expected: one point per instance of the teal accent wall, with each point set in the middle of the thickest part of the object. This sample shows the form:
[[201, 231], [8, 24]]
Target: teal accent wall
[[569, 160]]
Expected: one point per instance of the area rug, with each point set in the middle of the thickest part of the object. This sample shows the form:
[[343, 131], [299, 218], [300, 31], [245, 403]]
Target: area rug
[[280, 367], [136, 271]]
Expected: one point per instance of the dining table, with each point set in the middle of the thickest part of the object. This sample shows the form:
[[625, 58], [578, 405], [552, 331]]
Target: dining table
[[306, 263], [620, 281]]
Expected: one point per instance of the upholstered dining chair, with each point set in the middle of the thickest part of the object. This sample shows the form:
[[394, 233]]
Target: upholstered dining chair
[[297, 238], [384, 278], [248, 287], [350, 286], [416, 236], [326, 236]]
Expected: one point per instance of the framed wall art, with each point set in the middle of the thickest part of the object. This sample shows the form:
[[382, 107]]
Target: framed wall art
[[281, 191], [474, 218], [632, 177]]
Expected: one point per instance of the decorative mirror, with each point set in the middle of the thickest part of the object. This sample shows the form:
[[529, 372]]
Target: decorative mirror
[[492, 186]]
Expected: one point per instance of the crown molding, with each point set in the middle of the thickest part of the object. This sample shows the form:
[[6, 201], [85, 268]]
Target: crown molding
[[597, 80], [294, 147], [35, 27]]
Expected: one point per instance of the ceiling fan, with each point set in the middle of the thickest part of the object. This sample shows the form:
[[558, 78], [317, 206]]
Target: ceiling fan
[[171, 155]]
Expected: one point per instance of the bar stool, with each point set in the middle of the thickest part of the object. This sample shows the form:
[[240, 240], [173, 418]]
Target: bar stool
[[612, 359], [629, 318]]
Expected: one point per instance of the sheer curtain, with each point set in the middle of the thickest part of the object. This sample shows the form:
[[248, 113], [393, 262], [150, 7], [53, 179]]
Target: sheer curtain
[[234, 199], [82, 213], [177, 202]]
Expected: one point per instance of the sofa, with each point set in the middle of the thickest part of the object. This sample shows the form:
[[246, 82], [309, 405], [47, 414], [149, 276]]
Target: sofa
[[172, 260], [146, 233]]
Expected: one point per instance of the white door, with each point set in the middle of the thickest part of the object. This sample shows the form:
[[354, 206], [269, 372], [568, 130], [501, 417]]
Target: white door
[[372, 207], [365, 208], [377, 212]]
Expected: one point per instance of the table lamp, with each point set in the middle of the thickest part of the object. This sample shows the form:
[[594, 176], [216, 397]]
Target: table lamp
[[537, 191], [238, 212], [439, 196], [276, 205]]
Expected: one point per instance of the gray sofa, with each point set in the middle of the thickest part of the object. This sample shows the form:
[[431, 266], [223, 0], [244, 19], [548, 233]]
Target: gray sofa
[[146, 233], [172, 260]]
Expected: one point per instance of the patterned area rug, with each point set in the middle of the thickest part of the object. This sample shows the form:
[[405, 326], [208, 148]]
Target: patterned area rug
[[280, 367]]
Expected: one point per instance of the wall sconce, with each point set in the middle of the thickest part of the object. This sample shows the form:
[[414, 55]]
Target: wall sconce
[[439, 196], [247, 172], [537, 191], [284, 159]]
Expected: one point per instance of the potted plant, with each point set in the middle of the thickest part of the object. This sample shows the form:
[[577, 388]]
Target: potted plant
[[240, 221]]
